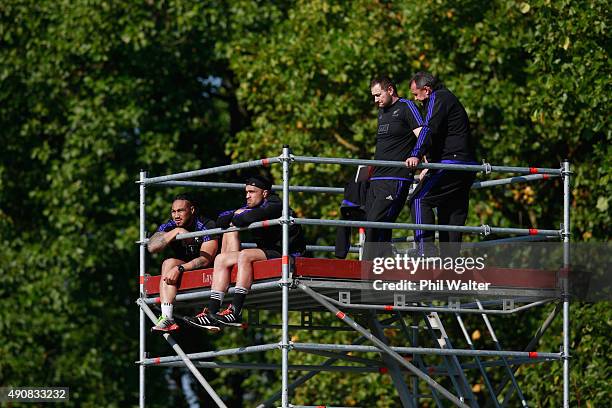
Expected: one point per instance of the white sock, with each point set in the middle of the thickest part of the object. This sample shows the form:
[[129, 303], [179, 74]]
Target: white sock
[[167, 309]]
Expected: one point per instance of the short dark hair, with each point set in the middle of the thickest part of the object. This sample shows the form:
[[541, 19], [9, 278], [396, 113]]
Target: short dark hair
[[185, 197], [385, 82], [423, 78], [191, 200]]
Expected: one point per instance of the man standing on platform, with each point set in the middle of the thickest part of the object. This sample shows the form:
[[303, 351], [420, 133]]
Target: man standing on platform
[[189, 254], [399, 122], [261, 204], [445, 138]]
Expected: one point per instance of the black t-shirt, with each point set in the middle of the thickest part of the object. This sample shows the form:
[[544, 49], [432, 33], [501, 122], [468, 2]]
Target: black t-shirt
[[189, 249], [446, 134], [395, 138]]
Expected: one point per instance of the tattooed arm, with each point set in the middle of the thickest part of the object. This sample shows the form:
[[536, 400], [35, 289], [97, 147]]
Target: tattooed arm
[[160, 239], [208, 250]]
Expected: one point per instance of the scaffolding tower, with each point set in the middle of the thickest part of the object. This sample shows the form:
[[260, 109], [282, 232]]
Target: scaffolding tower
[[314, 285]]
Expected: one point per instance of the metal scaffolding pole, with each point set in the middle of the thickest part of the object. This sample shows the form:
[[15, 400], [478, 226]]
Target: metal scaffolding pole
[[345, 357], [449, 309], [487, 168], [382, 346], [213, 170], [285, 280], [506, 365], [565, 279], [497, 363], [340, 190], [183, 356], [142, 271], [478, 362], [319, 406], [419, 362], [314, 369], [394, 369], [275, 367], [423, 350], [534, 341], [511, 180], [309, 248], [219, 231], [203, 295], [240, 186], [483, 229], [302, 380], [210, 354], [524, 238], [451, 362], [329, 248]]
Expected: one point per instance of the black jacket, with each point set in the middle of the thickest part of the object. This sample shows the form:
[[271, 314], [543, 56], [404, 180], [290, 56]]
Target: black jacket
[[269, 237], [446, 133]]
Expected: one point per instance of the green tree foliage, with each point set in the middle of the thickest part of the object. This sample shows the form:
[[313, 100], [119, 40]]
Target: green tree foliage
[[521, 70], [534, 77], [93, 91]]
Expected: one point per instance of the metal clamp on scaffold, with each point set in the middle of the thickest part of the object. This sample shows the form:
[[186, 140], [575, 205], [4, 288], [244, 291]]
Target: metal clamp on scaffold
[[289, 158], [289, 221], [562, 355], [487, 167], [565, 171], [288, 346], [562, 232], [486, 230], [282, 283]]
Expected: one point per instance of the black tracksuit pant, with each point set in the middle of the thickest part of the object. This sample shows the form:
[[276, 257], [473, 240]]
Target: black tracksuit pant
[[448, 192], [386, 198]]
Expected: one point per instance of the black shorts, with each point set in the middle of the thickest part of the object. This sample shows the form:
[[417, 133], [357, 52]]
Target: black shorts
[[274, 253]]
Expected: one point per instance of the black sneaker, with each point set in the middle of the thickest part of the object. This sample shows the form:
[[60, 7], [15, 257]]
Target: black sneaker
[[203, 321], [228, 317]]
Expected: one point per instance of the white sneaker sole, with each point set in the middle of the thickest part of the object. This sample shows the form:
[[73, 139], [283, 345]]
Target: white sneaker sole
[[209, 327]]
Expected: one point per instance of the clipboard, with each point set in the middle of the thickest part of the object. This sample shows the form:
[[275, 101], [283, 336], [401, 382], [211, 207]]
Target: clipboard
[[363, 173]]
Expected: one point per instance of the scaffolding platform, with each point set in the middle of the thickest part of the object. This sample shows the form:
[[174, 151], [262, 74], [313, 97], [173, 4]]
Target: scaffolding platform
[[343, 280], [431, 358]]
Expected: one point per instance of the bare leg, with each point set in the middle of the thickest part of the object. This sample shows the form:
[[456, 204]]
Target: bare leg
[[167, 293], [230, 242], [222, 270], [245, 266]]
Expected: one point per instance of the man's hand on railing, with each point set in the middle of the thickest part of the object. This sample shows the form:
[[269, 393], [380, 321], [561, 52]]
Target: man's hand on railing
[[412, 162]]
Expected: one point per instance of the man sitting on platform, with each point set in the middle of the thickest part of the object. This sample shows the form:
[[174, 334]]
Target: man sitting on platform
[[261, 204], [189, 254]]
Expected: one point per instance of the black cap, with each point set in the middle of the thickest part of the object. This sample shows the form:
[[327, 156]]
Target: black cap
[[260, 182]]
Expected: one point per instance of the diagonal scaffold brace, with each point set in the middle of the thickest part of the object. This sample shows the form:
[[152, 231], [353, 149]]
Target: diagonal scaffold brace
[[382, 346], [179, 351]]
